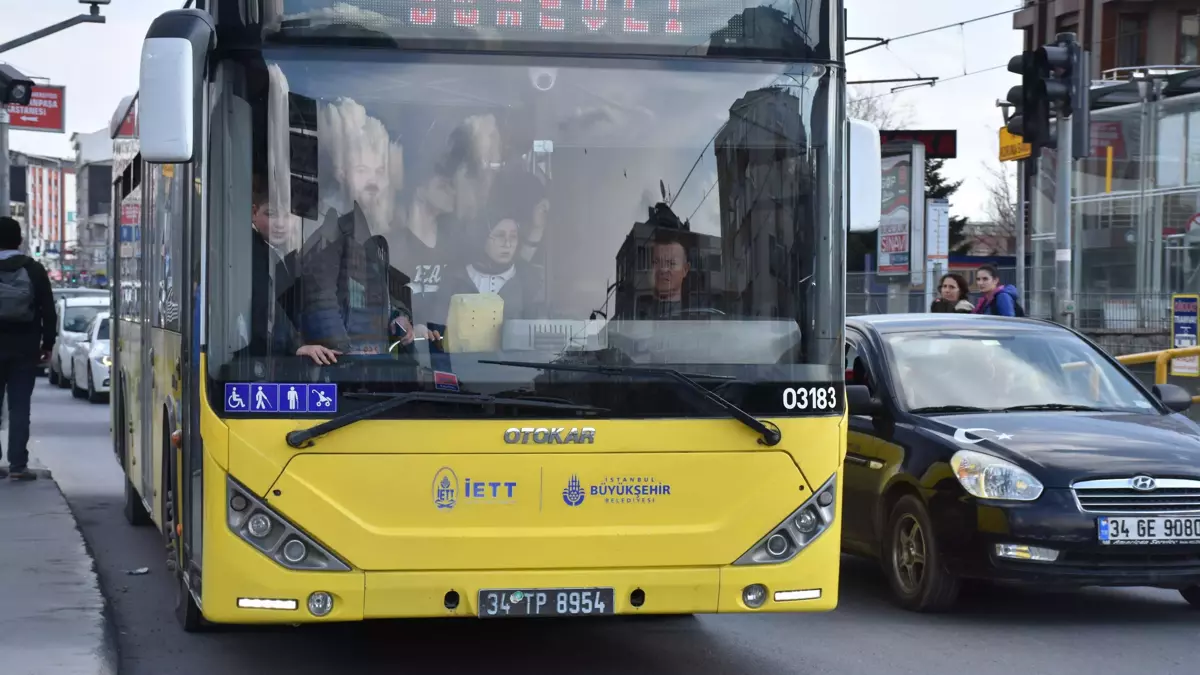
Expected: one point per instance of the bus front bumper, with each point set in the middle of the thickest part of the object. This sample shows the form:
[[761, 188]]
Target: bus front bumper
[[251, 589]]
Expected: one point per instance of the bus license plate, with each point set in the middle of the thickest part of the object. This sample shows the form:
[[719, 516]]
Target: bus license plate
[[1150, 530], [494, 603]]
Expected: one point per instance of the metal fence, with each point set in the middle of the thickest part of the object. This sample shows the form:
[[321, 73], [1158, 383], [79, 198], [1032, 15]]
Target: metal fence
[[1121, 323]]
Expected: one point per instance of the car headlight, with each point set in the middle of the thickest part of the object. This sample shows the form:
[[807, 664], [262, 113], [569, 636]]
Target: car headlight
[[105, 361], [989, 477]]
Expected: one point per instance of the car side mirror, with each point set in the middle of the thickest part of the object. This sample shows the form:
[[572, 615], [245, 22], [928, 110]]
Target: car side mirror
[[1176, 398], [860, 401]]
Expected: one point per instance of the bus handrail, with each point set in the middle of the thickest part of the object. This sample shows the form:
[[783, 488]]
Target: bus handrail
[[1161, 360]]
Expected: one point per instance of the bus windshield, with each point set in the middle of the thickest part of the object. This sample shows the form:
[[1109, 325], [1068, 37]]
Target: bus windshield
[[392, 223]]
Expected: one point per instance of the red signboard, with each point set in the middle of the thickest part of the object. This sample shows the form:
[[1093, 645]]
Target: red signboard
[[45, 111], [1108, 135], [939, 143]]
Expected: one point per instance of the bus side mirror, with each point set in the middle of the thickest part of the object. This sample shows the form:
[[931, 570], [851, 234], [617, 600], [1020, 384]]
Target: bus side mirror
[[174, 55], [860, 401], [864, 204]]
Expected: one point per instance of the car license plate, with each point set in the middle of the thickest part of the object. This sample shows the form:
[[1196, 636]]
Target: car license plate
[[1149, 530], [495, 603]]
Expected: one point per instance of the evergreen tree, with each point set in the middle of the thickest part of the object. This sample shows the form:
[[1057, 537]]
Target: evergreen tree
[[860, 244], [937, 187]]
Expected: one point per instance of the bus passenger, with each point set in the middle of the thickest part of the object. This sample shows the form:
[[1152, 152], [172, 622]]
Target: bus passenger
[[272, 321], [498, 269], [429, 246]]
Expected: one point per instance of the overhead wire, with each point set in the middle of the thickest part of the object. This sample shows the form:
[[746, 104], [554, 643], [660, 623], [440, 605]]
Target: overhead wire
[[883, 42]]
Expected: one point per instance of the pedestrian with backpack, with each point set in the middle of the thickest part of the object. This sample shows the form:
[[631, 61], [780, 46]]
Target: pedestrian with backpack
[[998, 299], [27, 333]]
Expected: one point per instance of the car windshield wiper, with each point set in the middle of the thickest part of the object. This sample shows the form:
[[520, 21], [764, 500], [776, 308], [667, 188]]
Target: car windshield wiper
[[769, 432], [302, 438], [948, 409], [1052, 406]]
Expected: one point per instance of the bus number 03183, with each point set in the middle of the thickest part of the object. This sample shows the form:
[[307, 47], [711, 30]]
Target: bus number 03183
[[810, 398]]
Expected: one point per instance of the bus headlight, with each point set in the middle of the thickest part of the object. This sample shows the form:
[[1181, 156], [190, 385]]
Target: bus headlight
[[260, 526], [797, 531]]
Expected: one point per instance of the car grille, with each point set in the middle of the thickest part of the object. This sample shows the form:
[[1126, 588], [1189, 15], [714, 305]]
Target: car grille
[[1117, 495]]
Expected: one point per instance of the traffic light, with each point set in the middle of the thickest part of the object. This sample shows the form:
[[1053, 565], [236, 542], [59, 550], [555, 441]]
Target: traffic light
[[1054, 82], [15, 88], [1031, 119]]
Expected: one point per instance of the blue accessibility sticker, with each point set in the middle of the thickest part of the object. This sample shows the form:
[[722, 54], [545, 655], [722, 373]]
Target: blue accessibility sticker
[[267, 397]]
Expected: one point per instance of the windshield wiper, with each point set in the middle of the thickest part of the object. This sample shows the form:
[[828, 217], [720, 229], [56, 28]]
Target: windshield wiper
[[1052, 406], [302, 438], [769, 432], [948, 409]]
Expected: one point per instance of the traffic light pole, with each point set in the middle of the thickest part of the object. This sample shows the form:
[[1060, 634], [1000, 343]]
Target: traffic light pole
[[1064, 303], [5, 196]]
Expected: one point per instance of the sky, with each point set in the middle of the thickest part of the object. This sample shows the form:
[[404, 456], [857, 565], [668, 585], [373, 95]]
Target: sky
[[98, 64]]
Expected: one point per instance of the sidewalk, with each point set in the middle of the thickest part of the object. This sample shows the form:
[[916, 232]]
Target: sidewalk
[[52, 619]]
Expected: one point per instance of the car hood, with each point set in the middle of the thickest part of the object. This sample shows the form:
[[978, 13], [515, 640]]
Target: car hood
[[1062, 447]]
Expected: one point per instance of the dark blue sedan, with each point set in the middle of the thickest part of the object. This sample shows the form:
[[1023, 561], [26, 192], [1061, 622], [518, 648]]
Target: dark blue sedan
[[1013, 450]]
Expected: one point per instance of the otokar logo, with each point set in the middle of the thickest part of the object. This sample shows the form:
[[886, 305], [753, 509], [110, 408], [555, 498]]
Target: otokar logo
[[549, 435]]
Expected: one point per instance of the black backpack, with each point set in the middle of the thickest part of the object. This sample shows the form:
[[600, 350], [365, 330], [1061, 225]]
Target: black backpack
[[16, 295]]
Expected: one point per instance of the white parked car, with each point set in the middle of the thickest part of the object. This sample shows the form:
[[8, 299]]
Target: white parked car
[[91, 361], [74, 316]]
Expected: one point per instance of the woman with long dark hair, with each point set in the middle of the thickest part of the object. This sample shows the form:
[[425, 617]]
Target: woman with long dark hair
[[952, 296]]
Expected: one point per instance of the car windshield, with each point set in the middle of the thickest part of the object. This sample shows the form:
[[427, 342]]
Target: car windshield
[[996, 370], [422, 218], [77, 319], [102, 331]]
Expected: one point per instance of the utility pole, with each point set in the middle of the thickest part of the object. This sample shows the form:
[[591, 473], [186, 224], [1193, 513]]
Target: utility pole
[[8, 84], [1064, 299], [5, 188]]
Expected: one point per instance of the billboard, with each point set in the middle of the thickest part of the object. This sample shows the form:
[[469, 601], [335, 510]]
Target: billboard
[[894, 245], [45, 111]]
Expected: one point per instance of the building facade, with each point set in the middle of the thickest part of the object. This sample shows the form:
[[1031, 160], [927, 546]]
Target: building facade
[[48, 211], [1118, 34], [93, 169]]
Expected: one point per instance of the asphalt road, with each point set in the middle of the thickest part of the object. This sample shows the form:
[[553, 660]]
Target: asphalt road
[[1135, 632]]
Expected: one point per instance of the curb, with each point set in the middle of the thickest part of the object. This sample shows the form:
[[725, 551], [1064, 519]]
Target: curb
[[107, 653]]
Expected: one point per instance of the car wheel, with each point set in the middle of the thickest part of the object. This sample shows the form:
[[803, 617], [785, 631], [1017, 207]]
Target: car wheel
[[1192, 595], [912, 561], [53, 375], [93, 396], [63, 382], [76, 390]]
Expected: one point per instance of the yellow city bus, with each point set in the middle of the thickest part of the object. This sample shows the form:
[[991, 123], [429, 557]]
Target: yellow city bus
[[496, 308]]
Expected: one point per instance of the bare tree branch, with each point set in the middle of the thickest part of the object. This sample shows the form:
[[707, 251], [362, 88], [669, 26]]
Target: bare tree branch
[[1002, 198], [864, 103]]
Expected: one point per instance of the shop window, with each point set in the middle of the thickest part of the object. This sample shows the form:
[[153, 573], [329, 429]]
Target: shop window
[[1131, 40], [1189, 39]]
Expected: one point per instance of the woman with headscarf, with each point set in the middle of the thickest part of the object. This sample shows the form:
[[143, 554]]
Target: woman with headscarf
[[497, 268]]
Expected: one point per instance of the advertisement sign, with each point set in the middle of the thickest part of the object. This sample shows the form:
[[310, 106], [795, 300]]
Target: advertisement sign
[[894, 245], [938, 143], [131, 216], [1183, 332], [45, 111], [937, 232], [1013, 147]]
